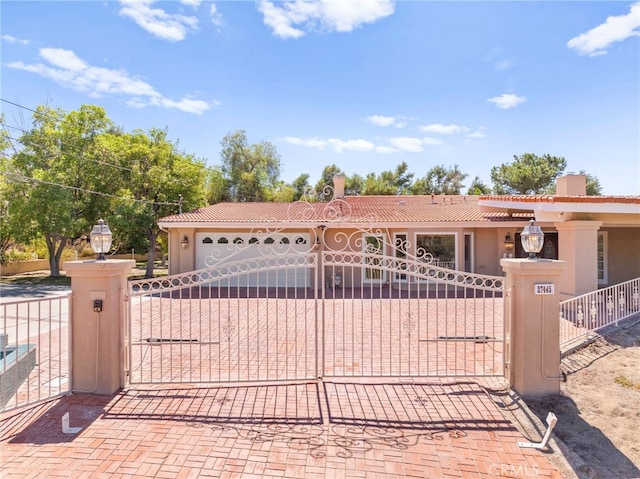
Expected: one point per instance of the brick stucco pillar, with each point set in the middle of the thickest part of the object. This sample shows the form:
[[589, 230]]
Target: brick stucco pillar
[[532, 323], [97, 338]]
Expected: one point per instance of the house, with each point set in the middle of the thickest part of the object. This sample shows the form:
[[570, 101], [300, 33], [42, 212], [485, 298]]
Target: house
[[598, 236]]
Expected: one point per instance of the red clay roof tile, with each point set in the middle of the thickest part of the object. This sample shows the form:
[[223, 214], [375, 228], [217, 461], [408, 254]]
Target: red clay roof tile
[[389, 209]]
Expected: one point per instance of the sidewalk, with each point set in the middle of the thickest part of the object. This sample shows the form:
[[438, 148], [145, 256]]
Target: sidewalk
[[437, 429]]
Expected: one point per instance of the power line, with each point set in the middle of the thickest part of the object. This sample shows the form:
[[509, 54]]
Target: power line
[[44, 147], [34, 180]]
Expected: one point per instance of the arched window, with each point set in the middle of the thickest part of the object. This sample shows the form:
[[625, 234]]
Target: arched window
[[238, 241], [269, 240], [284, 241], [207, 240], [253, 240], [301, 240], [223, 240]]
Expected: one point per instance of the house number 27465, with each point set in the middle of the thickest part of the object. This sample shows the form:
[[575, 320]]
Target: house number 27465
[[544, 288]]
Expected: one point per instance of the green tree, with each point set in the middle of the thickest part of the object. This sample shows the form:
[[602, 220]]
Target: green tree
[[354, 185], [478, 187], [324, 186], [159, 180], [527, 174], [55, 177], [440, 181], [301, 186], [252, 171], [9, 224], [397, 182], [282, 193], [593, 184], [217, 187]]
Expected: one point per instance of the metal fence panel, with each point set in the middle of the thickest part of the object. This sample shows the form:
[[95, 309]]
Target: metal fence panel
[[35, 349]]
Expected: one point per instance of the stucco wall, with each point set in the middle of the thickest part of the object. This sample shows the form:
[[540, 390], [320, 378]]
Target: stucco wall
[[623, 254], [488, 251], [18, 267]]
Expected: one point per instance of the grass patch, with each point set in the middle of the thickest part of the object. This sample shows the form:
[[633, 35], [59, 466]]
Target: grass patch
[[36, 279], [44, 278], [627, 383]]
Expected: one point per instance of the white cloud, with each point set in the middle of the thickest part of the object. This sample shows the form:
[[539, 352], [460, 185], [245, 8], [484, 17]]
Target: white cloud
[[350, 145], [337, 144], [293, 18], [478, 134], [70, 71], [405, 143], [431, 141], [173, 27], [310, 142], [502, 65], [440, 128], [615, 29], [191, 3], [216, 18], [11, 39], [385, 150], [507, 100], [381, 120]]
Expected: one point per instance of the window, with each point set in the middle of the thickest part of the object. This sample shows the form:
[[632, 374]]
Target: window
[[222, 240], [401, 245], [207, 240], [441, 247], [373, 250], [603, 274]]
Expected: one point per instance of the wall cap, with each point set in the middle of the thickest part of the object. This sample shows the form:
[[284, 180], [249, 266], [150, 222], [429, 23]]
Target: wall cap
[[533, 266], [92, 267]]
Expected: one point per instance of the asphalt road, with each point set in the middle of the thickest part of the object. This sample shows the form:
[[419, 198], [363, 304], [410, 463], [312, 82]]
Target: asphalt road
[[13, 292]]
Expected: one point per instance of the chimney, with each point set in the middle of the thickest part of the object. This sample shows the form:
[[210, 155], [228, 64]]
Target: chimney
[[338, 185], [571, 185]]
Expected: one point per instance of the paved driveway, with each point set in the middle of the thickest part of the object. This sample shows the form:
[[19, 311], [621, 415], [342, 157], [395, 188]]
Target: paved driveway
[[312, 430]]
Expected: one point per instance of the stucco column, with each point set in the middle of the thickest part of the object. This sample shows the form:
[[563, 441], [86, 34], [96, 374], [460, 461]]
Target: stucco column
[[578, 246], [532, 325], [97, 340]]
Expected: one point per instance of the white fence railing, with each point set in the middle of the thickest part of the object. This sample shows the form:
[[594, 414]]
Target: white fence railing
[[34, 350], [581, 317]]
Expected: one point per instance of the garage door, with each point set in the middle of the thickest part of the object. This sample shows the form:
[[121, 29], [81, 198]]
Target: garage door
[[216, 249]]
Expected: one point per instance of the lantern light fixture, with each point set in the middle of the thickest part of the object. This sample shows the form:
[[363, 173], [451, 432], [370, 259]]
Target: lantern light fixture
[[101, 238], [508, 243], [185, 242], [532, 239]]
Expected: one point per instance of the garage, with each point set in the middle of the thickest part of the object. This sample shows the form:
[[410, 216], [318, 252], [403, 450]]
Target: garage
[[269, 252]]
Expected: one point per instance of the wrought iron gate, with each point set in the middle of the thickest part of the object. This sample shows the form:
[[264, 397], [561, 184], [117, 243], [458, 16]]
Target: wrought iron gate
[[332, 302]]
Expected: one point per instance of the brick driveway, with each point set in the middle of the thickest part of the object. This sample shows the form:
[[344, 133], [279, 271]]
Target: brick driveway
[[365, 430]]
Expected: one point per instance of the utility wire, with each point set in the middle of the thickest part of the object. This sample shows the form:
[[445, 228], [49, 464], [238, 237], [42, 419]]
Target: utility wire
[[34, 180], [207, 168]]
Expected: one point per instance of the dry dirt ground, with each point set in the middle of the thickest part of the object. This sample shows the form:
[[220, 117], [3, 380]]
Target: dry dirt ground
[[598, 410]]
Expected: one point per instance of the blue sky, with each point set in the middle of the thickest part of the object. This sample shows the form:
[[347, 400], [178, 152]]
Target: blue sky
[[361, 84]]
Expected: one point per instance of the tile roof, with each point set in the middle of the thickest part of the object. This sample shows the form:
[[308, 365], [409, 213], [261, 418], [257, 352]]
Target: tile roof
[[563, 199], [388, 209]]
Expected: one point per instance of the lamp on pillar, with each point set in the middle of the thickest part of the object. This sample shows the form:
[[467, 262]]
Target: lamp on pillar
[[101, 238], [185, 242], [532, 239], [509, 245]]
